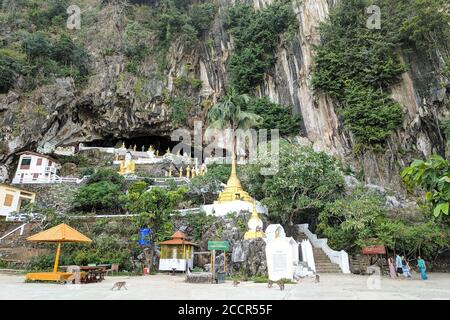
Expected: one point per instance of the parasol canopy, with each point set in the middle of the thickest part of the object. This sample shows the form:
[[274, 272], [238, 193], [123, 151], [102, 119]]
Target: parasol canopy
[[59, 233]]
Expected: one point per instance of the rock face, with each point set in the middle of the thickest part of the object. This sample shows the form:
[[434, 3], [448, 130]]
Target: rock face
[[116, 104], [249, 258]]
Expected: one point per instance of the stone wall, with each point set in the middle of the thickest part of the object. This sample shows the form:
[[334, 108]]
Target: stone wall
[[58, 196]]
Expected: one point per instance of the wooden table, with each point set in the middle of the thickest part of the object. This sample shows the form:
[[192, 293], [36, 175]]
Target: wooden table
[[91, 274], [94, 274]]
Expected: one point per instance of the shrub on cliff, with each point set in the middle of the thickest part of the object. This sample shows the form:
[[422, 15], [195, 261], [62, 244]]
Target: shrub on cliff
[[12, 65], [255, 36], [275, 116]]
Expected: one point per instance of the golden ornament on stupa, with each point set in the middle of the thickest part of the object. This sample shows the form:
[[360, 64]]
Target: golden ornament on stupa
[[233, 190]]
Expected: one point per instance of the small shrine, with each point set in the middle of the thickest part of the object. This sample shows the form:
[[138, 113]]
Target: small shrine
[[255, 225], [177, 254]]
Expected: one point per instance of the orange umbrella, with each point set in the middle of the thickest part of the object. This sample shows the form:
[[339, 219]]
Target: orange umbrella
[[60, 233]]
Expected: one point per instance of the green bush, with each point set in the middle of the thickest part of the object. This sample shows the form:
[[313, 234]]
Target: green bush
[[275, 116], [102, 195], [12, 65], [37, 45], [361, 220], [107, 175], [180, 107], [138, 187], [255, 36], [48, 13]]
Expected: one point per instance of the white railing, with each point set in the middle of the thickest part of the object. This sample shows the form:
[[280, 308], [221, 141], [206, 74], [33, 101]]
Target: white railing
[[49, 180], [338, 257], [21, 228], [307, 254], [181, 211]]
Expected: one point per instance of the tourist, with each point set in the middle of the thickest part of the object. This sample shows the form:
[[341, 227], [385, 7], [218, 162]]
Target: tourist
[[398, 264], [405, 268], [392, 268], [422, 268]]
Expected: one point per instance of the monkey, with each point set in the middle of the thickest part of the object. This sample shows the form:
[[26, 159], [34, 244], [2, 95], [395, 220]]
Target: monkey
[[119, 285], [236, 283], [317, 280], [280, 283]]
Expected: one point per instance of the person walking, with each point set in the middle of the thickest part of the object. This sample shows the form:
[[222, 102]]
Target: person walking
[[422, 268], [392, 273], [405, 268], [398, 264]]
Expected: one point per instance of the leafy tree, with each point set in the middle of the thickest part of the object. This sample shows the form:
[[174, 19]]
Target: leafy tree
[[154, 208], [275, 116], [102, 192], [349, 222], [432, 175], [305, 182], [103, 195], [107, 175], [229, 114]]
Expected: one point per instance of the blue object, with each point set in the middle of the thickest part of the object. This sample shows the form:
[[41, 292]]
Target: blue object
[[144, 236]]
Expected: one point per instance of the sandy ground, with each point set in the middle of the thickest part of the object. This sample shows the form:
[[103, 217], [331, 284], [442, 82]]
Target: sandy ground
[[162, 287]]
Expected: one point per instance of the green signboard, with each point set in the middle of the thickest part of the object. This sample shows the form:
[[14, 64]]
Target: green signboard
[[219, 245]]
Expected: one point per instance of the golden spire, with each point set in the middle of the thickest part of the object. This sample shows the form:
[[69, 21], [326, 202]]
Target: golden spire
[[233, 190]]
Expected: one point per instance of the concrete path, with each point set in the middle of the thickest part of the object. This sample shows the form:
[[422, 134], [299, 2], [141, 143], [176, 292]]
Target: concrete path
[[162, 287]]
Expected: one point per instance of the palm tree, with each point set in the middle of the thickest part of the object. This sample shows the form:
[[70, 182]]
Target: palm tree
[[229, 114]]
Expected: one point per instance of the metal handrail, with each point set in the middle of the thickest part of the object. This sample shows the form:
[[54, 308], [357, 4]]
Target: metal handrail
[[21, 227]]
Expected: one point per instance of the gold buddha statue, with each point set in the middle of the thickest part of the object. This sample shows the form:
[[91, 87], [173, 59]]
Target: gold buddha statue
[[255, 225], [233, 190], [127, 166]]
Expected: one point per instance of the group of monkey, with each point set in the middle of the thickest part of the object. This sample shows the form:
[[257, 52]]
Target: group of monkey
[[280, 282], [121, 284]]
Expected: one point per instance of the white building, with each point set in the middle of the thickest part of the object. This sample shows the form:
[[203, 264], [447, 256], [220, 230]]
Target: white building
[[35, 168], [13, 199]]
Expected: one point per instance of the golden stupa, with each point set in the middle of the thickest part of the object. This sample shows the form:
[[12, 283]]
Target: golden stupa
[[255, 225], [233, 190]]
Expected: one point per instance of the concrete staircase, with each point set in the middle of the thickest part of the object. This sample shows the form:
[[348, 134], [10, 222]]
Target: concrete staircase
[[322, 262]]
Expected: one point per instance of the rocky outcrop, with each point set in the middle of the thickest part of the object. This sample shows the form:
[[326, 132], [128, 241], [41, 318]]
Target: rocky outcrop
[[116, 104], [249, 258]]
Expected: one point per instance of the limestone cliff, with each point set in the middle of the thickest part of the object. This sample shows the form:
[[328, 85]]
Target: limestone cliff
[[116, 104]]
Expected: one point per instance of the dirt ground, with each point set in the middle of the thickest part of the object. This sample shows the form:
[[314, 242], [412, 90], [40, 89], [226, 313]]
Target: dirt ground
[[162, 287]]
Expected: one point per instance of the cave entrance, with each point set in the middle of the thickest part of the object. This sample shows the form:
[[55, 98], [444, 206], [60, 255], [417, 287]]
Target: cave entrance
[[160, 143]]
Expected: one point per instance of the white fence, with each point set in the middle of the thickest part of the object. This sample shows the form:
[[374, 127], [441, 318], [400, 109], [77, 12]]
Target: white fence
[[52, 179], [338, 257]]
